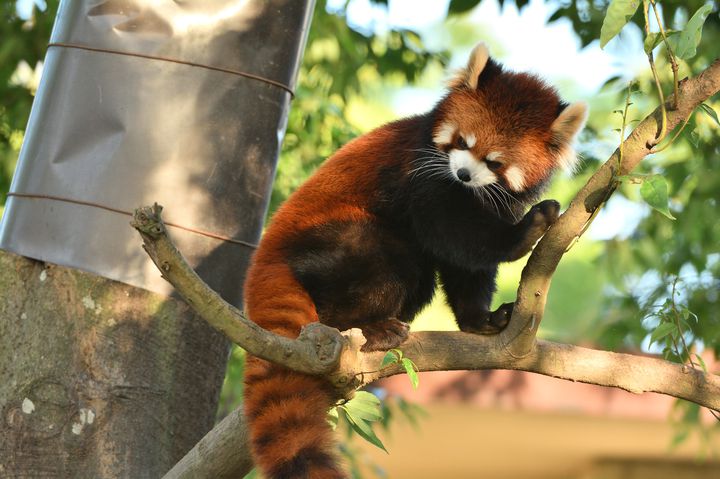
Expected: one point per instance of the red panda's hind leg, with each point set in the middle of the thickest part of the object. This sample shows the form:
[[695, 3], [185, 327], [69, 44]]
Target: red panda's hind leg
[[363, 274], [384, 335]]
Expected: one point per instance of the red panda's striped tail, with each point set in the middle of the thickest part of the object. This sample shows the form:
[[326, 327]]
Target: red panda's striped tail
[[287, 417]]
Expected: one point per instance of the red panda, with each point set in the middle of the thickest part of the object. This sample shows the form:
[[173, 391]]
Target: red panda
[[360, 243]]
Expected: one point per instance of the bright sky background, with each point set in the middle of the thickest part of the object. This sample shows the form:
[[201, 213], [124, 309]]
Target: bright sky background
[[526, 40]]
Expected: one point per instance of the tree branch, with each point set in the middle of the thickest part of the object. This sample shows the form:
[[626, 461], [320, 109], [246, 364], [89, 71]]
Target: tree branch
[[429, 350], [222, 454], [519, 336], [633, 373], [224, 451], [318, 351]]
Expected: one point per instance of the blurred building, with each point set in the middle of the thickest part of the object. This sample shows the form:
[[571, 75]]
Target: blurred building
[[516, 425]]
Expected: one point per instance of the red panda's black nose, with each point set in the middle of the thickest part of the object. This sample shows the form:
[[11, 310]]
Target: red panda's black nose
[[463, 174]]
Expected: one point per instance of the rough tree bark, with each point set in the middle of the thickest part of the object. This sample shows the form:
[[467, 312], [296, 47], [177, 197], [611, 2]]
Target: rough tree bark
[[515, 348], [100, 379]]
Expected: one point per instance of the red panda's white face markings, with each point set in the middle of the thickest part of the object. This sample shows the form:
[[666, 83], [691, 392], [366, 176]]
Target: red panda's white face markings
[[444, 134], [503, 127], [465, 166], [463, 160], [515, 178]]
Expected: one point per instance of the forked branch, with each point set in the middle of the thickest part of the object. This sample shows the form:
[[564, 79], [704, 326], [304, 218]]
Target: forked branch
[[537, 274]]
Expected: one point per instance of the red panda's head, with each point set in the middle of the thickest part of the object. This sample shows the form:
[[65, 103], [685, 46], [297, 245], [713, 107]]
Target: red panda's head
[[504, 127]]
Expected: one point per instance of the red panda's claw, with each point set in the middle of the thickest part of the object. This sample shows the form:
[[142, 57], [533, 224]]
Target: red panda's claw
[[545, 213]]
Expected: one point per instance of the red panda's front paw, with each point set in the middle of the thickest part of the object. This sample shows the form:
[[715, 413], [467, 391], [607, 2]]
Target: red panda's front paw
[[544, 214], [491, 322], [500, 318]]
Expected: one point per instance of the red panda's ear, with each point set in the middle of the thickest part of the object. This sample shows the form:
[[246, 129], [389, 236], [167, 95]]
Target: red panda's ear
[[564, 130], [569, 122], [468, 77]]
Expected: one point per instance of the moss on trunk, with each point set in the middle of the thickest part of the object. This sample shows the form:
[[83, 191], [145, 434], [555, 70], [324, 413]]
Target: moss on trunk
[[99, 379]]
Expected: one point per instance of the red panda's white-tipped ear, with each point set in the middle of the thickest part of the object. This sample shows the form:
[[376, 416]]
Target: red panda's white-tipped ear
[[468, 76], [564, 130], [570, 121]]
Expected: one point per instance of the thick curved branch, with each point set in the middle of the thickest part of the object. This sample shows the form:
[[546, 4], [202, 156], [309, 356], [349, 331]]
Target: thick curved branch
[[631, 372], [537, 274], [224, 451], [431, 351], [316, 351], [222, 454]]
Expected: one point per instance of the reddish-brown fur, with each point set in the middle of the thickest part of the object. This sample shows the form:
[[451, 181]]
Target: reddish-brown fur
[[508, 112], [274, 300]]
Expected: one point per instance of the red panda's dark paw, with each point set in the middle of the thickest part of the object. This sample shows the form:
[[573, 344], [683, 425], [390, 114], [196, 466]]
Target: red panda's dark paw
[[500, 318], [492, 322], [384, 335], [545, 213]]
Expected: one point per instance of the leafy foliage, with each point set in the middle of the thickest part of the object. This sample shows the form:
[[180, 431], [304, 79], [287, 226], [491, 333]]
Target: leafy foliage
[[23, 45], [395, 356], [587, 17], [684, 45], [619, 12], [338, 61], [654, 191], [361, 411], [664, 262]]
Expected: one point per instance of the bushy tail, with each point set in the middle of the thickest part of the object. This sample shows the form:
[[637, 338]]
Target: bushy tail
[[286, 411], [287, 417]]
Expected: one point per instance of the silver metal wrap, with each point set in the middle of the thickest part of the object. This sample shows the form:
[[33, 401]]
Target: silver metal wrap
[[145, 101]]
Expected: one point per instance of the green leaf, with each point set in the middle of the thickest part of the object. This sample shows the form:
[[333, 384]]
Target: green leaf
[[679, 438], [710, 112], [655, 38], [685, 44], [688, 315], [391, 357], [461, 6], [654, 191], [619, 12], [701, 361], [365, 431], [364, 406], [661, 331], [411, 370], [412, 412]]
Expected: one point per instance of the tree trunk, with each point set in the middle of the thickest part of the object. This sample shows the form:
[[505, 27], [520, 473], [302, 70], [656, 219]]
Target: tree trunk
[[99, 379]]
